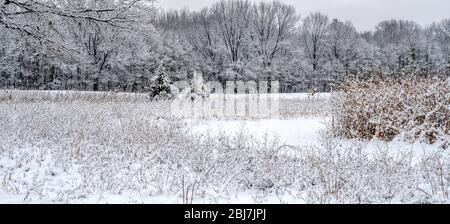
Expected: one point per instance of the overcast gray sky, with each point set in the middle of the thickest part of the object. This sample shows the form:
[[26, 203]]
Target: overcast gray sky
[[365, 14]]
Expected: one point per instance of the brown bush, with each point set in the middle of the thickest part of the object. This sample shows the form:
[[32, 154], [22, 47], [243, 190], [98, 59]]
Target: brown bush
[[417, 108]]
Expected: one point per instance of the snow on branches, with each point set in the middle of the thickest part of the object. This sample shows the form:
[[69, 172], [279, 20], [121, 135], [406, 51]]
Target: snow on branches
[[416, 108], [160, 87]]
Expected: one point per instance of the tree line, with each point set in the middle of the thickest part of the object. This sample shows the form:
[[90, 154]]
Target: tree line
[[119, 45]]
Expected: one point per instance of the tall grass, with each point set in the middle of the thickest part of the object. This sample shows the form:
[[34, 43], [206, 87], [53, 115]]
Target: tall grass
[[65, 152], [70, 96], [290, 106]]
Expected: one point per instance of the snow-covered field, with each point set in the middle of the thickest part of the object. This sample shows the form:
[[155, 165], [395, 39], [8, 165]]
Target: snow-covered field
[[119, 151], [294, 132]]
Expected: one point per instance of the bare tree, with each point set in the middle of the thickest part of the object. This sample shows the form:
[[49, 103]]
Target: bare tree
[[39, 21], [203, 35], [441, 34], [314, 37], [232, 21], [272, 24], [343, 42], [402, 43]]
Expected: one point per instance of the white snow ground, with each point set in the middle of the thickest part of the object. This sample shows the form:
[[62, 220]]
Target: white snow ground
[[299, 132], [302, 132], [295, 132]]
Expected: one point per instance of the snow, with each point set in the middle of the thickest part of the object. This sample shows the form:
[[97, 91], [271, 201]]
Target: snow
[[295, 132], [133, 198], [294, 96], [303, 132], [107, 173]]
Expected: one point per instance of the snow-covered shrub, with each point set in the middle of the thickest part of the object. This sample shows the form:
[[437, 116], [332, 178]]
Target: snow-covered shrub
[[83, 152], [194, 89], [414, 107], [350, 174], [435, 169], [67, 151]]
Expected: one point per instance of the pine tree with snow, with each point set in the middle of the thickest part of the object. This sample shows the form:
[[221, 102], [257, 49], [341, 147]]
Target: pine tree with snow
[[160, 87]]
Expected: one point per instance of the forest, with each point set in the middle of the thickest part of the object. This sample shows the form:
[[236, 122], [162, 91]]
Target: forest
[[102, 45]]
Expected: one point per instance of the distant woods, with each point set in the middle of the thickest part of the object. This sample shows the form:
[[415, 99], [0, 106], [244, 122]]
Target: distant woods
[[118, 45]]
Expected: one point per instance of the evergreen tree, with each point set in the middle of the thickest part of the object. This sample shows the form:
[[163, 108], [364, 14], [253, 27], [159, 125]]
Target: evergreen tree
[[160, 87]]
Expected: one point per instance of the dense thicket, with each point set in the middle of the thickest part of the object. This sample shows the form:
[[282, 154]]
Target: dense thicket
[[118, 45], [416, 108]]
